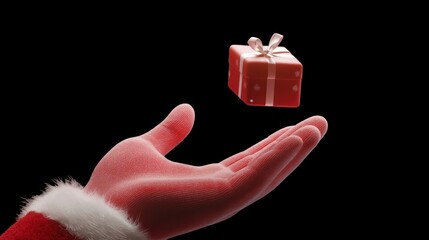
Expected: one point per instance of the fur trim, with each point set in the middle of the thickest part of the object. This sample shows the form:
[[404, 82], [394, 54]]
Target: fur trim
[[87, 216]]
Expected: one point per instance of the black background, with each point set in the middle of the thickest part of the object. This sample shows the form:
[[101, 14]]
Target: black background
[[79, 79]]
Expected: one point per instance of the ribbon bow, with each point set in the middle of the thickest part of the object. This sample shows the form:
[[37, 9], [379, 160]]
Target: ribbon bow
[[256, 44]]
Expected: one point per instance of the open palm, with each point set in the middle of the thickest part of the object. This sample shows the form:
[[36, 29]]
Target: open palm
[[168, 198]]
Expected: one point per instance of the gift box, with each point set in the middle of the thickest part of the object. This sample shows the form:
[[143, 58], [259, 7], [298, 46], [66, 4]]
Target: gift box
[[265, 75]]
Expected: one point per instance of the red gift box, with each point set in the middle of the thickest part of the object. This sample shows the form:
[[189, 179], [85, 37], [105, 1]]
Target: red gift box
[[265, 75]]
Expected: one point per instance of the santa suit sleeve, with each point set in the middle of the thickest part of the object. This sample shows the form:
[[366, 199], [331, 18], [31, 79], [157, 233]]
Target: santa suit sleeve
[[64, 211]]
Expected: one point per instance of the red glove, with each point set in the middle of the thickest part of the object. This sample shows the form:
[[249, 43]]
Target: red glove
[[167, 198], [135, 192]]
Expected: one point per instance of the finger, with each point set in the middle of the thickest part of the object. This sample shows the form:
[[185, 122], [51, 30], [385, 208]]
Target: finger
[[172, 130], [249, 181], [317, 121], [255, 148], [310, 136], [248, 158]]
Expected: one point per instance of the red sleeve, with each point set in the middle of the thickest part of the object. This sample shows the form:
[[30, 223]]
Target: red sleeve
[[35, 226], [66, 212]]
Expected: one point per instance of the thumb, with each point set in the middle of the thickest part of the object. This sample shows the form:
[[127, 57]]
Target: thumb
[[172, 130]]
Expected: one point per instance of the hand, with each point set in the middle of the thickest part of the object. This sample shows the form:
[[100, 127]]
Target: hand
[[168, 199]]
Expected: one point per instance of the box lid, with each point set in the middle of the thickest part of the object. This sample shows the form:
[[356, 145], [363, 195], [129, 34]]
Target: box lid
[[257, 65]]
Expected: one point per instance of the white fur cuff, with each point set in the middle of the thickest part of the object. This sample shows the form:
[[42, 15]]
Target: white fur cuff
[[87, 216]]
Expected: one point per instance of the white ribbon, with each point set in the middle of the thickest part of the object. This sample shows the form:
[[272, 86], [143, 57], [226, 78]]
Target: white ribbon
[[256, 44]]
